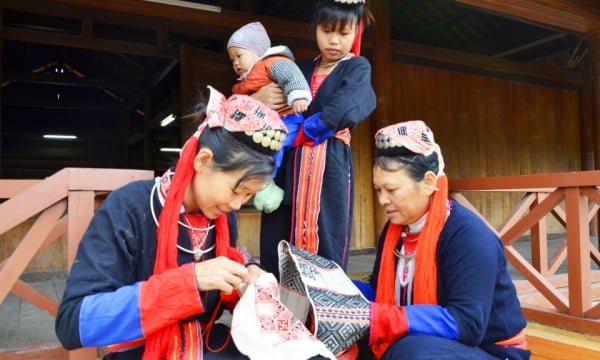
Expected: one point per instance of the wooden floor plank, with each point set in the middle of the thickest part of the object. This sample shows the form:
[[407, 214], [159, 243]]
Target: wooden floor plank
[[549, 343], [52, 351]]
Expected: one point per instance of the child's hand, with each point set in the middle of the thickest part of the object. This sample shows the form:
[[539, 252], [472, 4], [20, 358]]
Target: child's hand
[[300, 106]]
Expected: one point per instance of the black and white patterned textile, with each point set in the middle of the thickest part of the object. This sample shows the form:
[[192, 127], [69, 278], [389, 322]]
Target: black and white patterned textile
[[322, 296]]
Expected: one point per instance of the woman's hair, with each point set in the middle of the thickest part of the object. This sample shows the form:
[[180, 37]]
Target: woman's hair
[[415, 165], [230, 154], [337, 15]]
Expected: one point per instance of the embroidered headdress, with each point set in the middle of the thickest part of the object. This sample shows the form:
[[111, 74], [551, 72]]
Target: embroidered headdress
[[247, 119], [402, 139], [410, 137]]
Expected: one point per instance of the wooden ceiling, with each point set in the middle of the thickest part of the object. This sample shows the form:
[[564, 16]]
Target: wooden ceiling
[[108, 71]]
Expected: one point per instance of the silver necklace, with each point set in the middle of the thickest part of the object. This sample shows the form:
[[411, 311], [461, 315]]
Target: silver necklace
[[330, 64], [405, 273], [406, 266], [197, 250]]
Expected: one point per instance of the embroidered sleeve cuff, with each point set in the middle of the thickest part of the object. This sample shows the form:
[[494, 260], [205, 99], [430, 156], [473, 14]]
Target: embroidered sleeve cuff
[[169, 297], [388, 323]]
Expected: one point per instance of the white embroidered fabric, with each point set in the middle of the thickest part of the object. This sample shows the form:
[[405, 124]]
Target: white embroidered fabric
[[263, 328]]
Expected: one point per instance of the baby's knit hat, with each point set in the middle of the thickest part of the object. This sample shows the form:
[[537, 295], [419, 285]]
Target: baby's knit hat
[[252, 37]]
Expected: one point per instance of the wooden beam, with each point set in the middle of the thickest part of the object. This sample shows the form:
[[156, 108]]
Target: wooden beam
[[406, 51], [561, 14], [67, 105], [530, 45], [194, 31], [85, 42], [53, 79], [226, 19]]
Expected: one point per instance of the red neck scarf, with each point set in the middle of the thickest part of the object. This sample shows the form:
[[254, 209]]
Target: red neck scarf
[[158, 343], [425, 281]]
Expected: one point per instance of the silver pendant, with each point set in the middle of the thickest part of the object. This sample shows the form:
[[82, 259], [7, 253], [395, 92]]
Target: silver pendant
[[198, 253]]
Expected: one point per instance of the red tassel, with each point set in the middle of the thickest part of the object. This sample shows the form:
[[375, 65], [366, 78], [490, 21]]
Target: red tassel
[[357, 41], [166, 251]]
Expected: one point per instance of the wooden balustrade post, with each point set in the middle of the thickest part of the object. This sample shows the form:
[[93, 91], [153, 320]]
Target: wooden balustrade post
[[539, 241], [578, 252]]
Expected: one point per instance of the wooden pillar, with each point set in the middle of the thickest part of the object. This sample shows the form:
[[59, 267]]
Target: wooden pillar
[[382, 63], [594, 44], [381, 60], [586, 117]]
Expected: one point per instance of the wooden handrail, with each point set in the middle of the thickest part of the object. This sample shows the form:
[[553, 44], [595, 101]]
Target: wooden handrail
[[573, 199], [62, 204]]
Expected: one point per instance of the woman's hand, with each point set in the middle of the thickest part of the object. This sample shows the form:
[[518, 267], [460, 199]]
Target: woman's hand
[[255, 271], [272, 96], [221, 274]]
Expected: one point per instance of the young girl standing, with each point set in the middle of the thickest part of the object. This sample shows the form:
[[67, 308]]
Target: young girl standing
[[317, 174]]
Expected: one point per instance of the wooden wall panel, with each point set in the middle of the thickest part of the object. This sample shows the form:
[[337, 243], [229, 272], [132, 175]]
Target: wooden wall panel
[[363, 227], [490, 126], [249, 231]]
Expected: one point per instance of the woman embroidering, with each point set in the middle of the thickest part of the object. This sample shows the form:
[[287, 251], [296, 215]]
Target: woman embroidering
[[158, 263], [440, 286]]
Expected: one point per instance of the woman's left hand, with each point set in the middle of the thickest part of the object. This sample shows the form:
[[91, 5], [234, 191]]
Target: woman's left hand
[[255, 271]]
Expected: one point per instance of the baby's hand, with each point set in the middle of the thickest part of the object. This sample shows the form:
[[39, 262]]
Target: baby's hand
[[300, 106]]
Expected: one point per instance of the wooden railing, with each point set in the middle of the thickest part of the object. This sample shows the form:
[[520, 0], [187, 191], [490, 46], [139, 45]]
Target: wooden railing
[[569, 300], [62, 204]]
